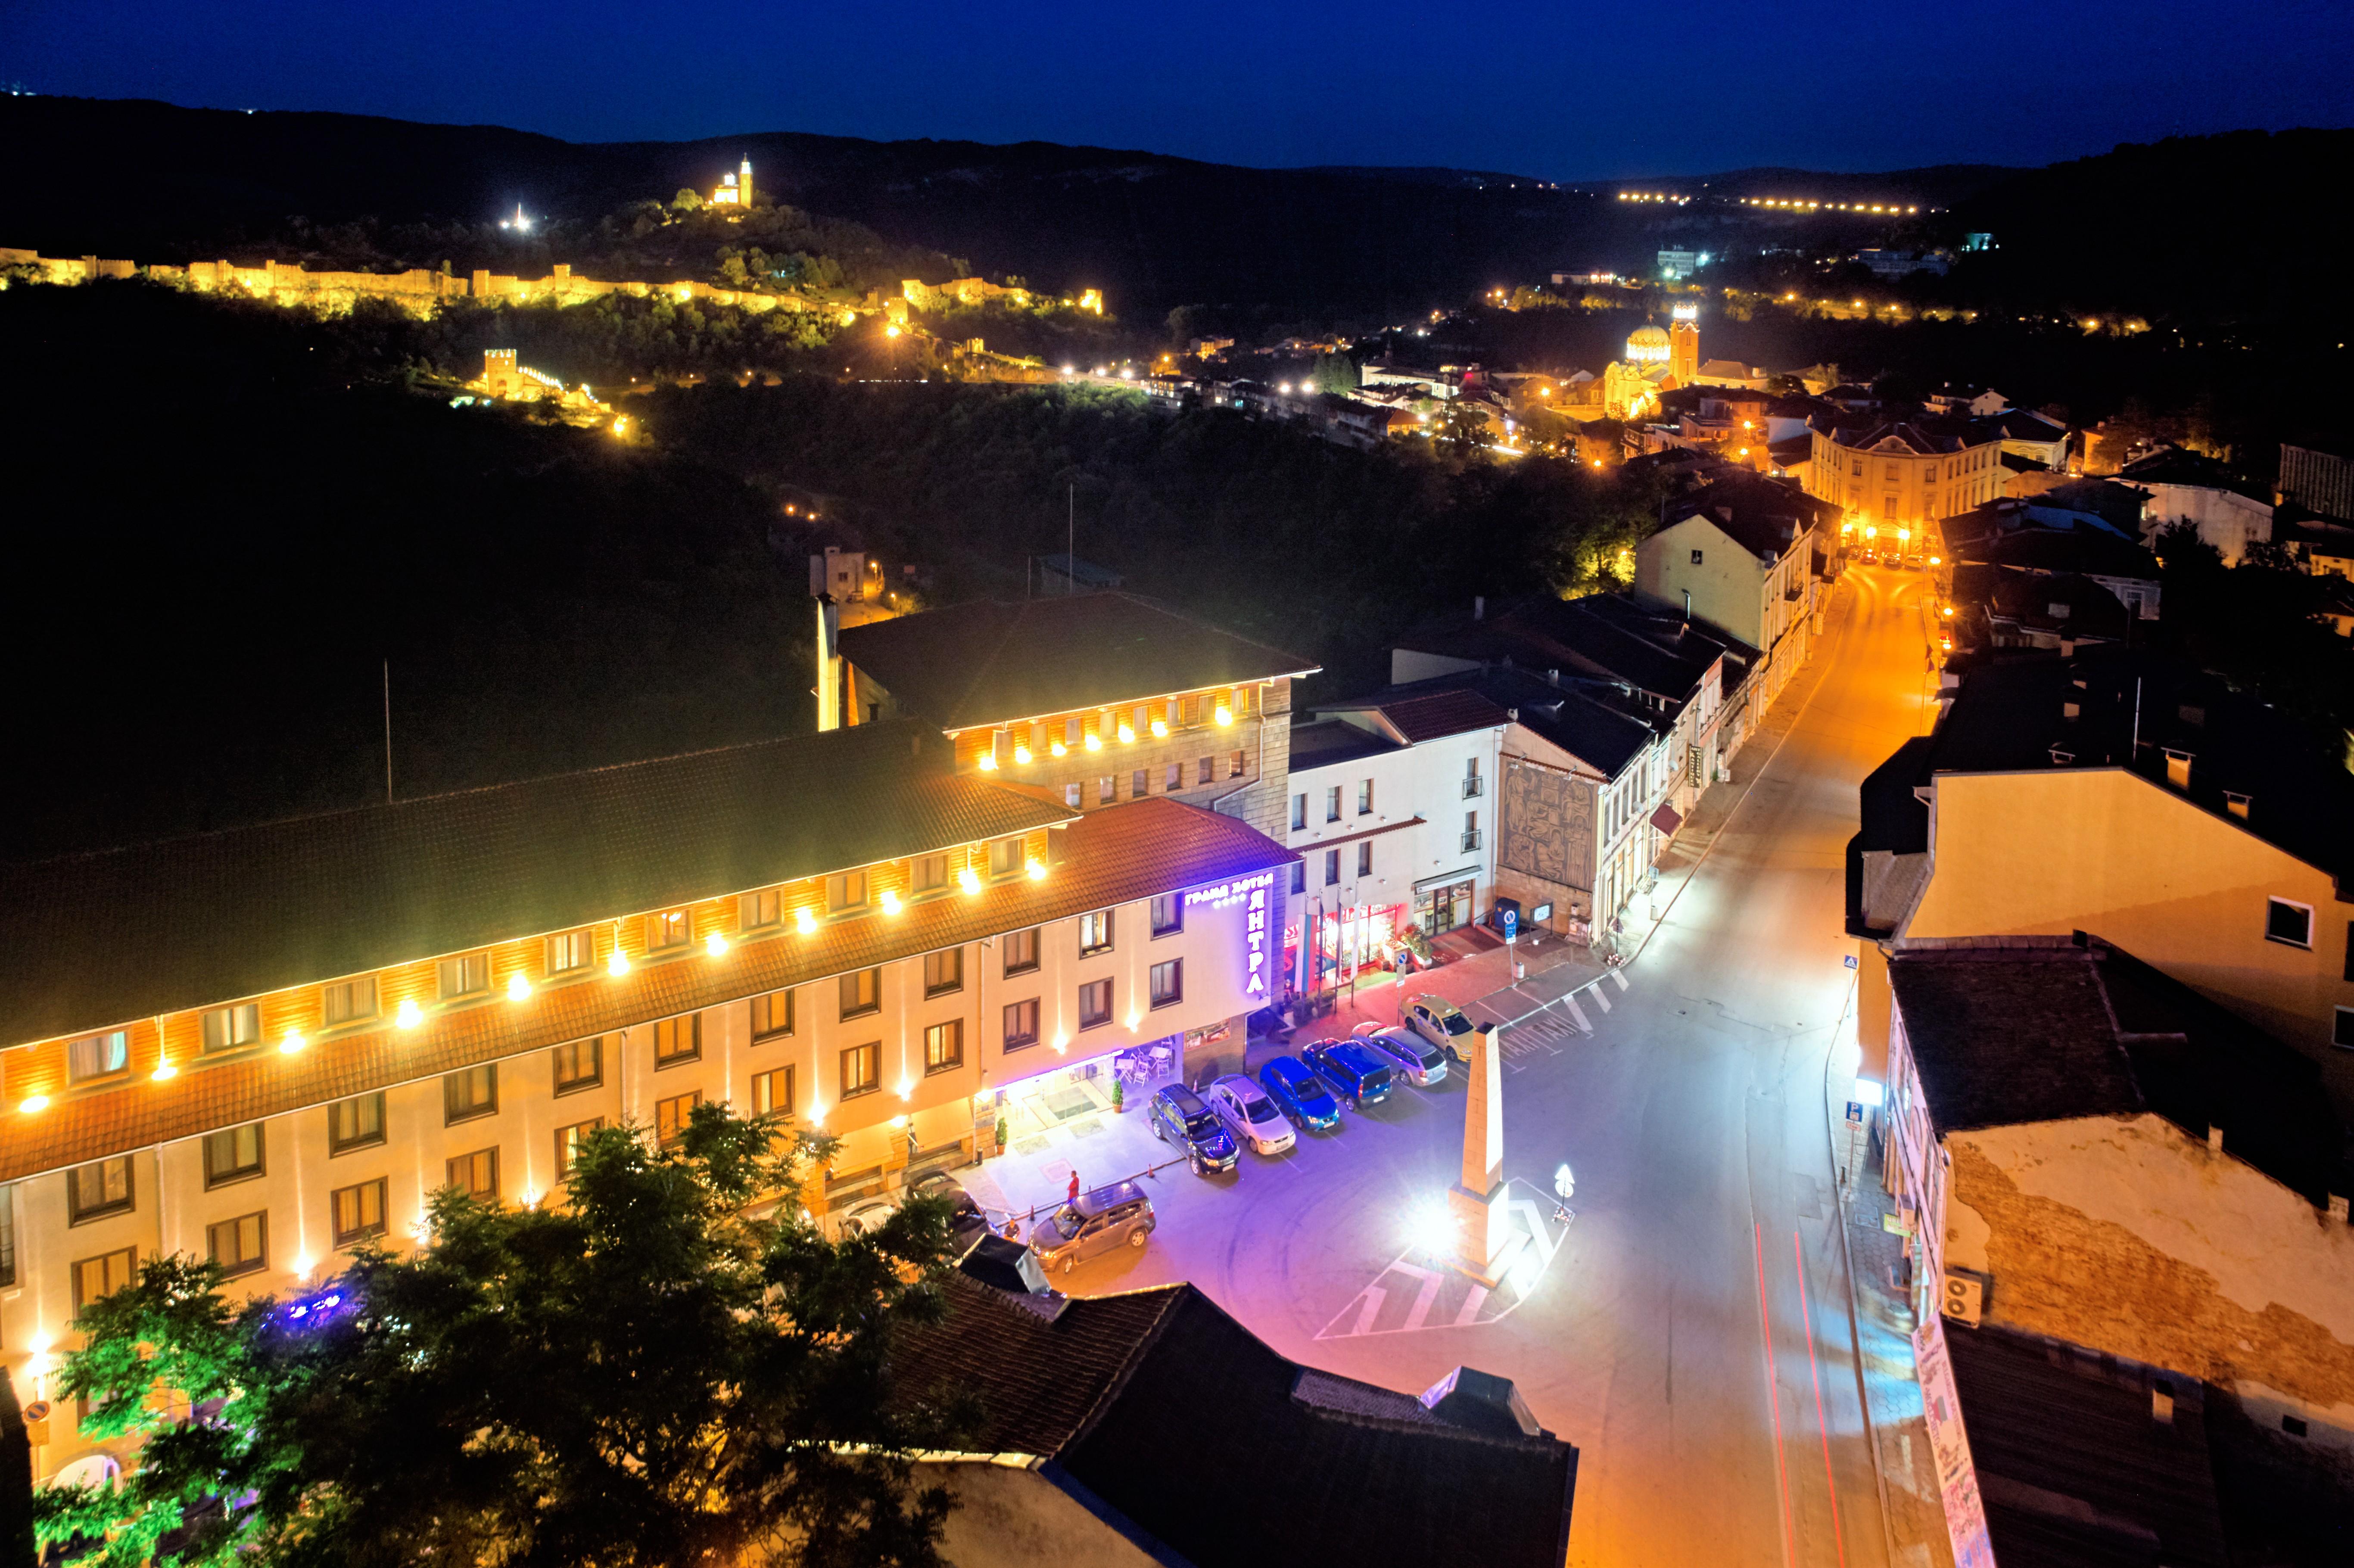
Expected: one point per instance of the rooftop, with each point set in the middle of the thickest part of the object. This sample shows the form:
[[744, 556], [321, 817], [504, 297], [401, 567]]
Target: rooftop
[[1180, 1420], [2011, 1034], [1590, 719], [1925, 434], [2176, 465], [1762, 516], [991, 662], [1611, 635], [90, 940], [1327, 742]]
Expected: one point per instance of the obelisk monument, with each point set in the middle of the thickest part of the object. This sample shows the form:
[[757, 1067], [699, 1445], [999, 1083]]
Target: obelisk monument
[[1485, 1239]]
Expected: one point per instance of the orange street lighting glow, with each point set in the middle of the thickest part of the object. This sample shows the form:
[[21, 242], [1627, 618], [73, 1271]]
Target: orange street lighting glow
[[968, 880], [293, 1043], [164, 1072], [408, 1016], [617, 963], [715, 944], [34, 1104], [890, 902], [805, 921], [518, 986]]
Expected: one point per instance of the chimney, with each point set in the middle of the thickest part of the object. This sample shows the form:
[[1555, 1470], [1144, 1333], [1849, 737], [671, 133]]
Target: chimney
[[1479, 606], [2214, 1138]]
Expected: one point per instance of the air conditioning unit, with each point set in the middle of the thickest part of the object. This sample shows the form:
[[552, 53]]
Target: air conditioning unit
[[1965, 1296]]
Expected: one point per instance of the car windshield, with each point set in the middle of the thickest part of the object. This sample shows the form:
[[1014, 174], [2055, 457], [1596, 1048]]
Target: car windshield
[[1255, 1108], [1202, 1126], [1456, 1024]]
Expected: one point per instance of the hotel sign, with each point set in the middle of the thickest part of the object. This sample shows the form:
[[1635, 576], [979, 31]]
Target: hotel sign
[[1250, 893]]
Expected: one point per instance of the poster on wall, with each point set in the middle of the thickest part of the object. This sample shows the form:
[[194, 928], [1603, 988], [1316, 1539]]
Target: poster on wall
[[1958, 1479]]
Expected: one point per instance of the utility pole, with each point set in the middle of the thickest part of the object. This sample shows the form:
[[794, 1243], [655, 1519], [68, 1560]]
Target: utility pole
[[387, 731]]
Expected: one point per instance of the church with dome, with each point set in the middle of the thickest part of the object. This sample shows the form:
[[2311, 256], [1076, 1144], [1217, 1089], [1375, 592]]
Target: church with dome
[[1656, 362]]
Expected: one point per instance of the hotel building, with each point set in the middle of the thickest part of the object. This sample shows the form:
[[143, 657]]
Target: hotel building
[[266, 1044]]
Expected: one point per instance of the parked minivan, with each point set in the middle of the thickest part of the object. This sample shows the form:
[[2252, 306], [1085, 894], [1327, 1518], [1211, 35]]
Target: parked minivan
[[1117, 1215], [1355, 1075]]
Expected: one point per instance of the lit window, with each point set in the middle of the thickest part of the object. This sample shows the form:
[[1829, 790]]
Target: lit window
[[1004, 856], [95, 1278], [772, 1016], [470, 1092], [355, 1123], [359, 1212], [347, 1002], [567, 1143], [944, 971], [845, 890], [678, 1040], [758, 911], [226, 1028], [1095, 1003], [100, 1188], [233, 1154], [580, 1064], [468, 975], [96, 1057], [931, 874], [568, 952], [475, 1175], [670, 1115], [1168, 982], [1095, 933], [671, 928], [862, 1070], [241, 1245], [772, 1093], [944, 1046], [1020, 1024], [862, 993]]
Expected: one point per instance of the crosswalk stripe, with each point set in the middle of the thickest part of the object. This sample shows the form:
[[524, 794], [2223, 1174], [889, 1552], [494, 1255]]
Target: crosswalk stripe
[[1620, 976], [1577, 1012], [1601, 998]]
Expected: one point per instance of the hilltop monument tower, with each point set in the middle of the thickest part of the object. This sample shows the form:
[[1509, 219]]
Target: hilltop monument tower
[[744, 185]]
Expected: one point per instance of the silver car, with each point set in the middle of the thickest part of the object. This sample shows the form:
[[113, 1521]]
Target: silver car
[[1118, 1216], [1249, 1113], [1414, 1059]]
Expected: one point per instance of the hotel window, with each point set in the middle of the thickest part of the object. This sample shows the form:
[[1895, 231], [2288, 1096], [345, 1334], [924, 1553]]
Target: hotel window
[[1205, 770], [678, 1040], [862, 1070], [2289, 922], [100, 1188], [226, 1028], [233, 1154], [1095, 1003], [1168, 983], [1095, 933], [567, 1144], [1237, 765], [1020, 1024], [96, 1057], [359, 1212], [1298, 876], [845, 890], [580, 1064], [671, 928], [931, 872], [1004, 856], [1364, 857], [1020, 951], [355, 1123], [1140, 784], [1299, 809], [862, 993], [1072, 738], [1106, 790], [1075, 796], [670, 1115], [1333, 804], [772, 1016], [568, 952], [347, 1002], [772, 1093], [944, 1046], [944, 971], [1176, 779], [467, 975], [1168, 914], [1364, 797], [470, 1092], [1332, 868], [758, 911], [475, 1175], [102, 1275], [241, 1245]]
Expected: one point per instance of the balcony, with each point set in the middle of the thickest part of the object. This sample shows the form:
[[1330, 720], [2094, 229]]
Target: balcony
[[1470, 840], [1474, 788]]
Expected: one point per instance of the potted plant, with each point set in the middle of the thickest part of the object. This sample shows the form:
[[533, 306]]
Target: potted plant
[[1001, 1137], [1119, 1095]]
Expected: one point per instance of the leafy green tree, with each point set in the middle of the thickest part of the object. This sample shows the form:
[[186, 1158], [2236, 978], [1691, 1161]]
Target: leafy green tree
[[671, 1367]]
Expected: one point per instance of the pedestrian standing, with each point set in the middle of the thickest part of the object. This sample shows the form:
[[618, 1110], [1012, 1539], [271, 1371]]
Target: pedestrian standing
[[1075, 1186]]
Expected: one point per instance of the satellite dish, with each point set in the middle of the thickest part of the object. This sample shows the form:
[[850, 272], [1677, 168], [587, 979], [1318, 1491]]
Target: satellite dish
[[91, 1470]]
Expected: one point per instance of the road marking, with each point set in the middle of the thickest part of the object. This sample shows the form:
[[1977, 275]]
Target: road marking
[[1601, 997], [1774, 1393], [1620, 976], [1444, 1298], [1372, 1309], [1569, 1002], [1807, 1318], [1473, 1300], [1423, 1298]]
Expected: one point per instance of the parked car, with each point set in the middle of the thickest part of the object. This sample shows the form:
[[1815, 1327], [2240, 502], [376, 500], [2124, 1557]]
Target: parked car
[[1244, 1107], [1421, 1064], [1299, 1093], [1355, 1075], [967, 1224], [1117, 1215], [1178, 1115], [1440, 1022]]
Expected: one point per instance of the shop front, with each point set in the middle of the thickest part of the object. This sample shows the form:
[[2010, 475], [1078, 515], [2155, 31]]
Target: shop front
[[1443, 903], [1356, 942]]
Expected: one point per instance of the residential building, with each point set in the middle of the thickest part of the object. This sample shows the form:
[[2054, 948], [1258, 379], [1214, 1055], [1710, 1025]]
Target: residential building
[[2318, 481], [1091, 700], [1148, 1426], [2230, 512], [2016, 540], [2120, 792], [1906, 474], [2038, 438], [1392, 814], [1984, 402], [1739, 554], [2093, 1153], [266, 1044]]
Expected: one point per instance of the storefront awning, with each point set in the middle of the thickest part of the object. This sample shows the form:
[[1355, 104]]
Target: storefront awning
[[1665, 818], [1446, 879]]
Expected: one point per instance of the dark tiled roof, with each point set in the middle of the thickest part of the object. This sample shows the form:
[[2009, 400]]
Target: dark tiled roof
[[2177, 466], [990, 663], [2066, 603], [2026, 425], [2094, 551], [1328, 741], [1437, 714], [1611, 635], [2008, 1034], [1111, 856], [1924, 434], [1592, 720], [91, 940], [1759, 513], [2122, 1488]]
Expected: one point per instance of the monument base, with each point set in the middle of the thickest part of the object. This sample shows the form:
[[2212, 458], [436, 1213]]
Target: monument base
[[1486, 1244]]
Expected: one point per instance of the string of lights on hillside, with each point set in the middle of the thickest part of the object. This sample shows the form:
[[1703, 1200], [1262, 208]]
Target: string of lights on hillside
[[1885, 208]]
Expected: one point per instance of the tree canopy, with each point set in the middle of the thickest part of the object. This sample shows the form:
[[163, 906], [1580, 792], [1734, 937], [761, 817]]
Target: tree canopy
[[670, 1366]]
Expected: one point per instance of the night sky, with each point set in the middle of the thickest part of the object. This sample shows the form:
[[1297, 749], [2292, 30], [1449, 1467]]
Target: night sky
[[1557, 92]]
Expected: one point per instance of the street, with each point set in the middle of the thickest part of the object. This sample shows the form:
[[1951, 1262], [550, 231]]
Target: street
[[1689, 1330]]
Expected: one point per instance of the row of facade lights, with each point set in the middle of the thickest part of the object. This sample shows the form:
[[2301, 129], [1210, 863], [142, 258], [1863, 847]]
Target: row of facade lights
[[1223, 718], [408, 1016]]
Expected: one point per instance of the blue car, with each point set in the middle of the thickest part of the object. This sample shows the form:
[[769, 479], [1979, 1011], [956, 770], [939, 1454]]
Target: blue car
[[1354, 1073], [1298, 1094], [1178, 1115]]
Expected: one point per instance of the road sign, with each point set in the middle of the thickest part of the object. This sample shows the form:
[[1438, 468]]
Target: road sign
[[1855, 1111], [1511, 923], [1850, 961]]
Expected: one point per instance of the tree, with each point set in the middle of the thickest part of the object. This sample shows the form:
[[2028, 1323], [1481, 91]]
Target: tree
[[672, 1366]]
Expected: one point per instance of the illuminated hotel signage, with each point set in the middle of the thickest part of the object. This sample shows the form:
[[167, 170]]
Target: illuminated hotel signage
[[1251, 893]]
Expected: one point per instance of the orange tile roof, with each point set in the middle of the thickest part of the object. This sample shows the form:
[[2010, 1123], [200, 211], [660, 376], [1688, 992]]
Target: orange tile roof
[[1112, 856]]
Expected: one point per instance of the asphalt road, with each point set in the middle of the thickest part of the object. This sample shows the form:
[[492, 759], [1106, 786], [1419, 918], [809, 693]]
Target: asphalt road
[[1690, 1329]]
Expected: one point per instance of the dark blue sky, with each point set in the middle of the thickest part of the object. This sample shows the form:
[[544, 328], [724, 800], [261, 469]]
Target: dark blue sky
[[1559, 91]]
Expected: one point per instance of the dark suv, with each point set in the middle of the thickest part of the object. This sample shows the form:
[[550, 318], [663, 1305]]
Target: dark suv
[[1355, 1074], [1179, 1116]]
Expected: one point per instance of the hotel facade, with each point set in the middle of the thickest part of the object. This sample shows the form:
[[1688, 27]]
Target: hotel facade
[[268, 1045]]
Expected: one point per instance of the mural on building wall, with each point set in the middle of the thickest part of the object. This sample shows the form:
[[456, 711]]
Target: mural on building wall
[[1546, 828]]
